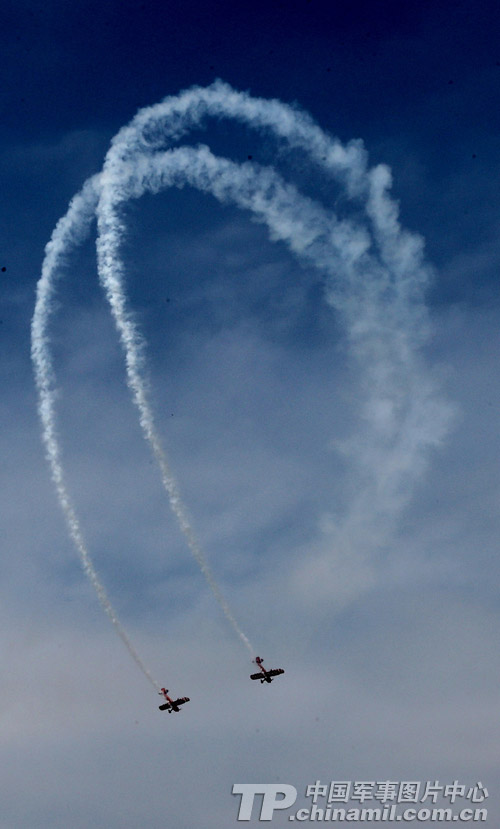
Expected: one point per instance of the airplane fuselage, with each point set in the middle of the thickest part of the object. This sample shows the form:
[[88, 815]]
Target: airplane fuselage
[[265, 677]]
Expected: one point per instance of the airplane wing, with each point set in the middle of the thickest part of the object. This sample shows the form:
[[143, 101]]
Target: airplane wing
[[275, 672], [165, 706], [257, 676], [181, 700]]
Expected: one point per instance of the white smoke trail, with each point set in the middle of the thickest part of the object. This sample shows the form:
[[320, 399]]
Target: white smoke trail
[[249, 189], [71, 230], [377, 278], [375, 273], [110, 233]]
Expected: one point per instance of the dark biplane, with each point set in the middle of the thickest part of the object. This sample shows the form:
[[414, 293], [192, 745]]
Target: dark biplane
[[171, 704], [265, 675]]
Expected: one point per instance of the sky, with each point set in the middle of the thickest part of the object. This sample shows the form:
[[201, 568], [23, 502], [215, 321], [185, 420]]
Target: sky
[[320, 340]]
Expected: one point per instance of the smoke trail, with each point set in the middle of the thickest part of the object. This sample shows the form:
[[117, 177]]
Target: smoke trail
[[110, 269], [375, 279], [71, 230]]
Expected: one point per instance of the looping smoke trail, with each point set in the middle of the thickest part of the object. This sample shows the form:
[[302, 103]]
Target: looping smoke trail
[[376, 273], [375, 279]]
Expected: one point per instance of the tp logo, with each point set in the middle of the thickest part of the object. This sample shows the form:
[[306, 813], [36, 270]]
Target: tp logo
[[270, 801]]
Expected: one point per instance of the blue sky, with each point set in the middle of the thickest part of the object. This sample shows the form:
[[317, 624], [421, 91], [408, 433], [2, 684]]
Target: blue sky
[[352, 532]]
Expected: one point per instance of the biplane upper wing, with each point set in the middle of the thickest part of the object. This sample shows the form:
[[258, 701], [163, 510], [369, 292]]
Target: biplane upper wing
[[174, 705], [272, 672]]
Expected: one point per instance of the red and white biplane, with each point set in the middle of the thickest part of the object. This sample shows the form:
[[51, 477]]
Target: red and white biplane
[[265, 675], [171, 704]]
